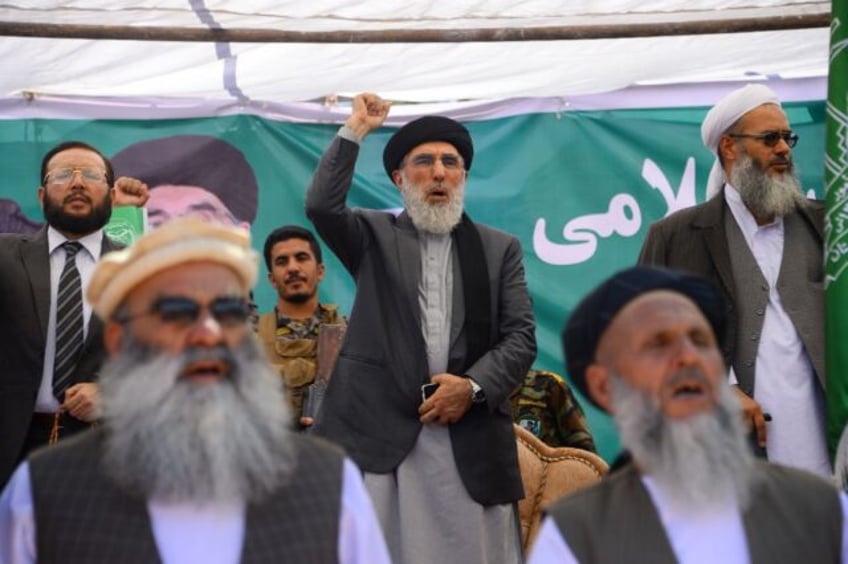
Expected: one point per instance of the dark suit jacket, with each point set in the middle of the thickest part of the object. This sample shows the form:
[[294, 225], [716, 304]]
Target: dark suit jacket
[[694, 239], [371, 405], [24, 311]]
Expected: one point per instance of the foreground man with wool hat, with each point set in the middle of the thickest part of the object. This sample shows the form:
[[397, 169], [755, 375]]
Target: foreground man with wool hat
[[645, 346], [760, 241], [193, 461], [441, 300]]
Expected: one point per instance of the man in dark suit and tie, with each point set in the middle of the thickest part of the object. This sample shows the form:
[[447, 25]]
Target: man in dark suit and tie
[[47, 387], [760, 241], [440, 334]]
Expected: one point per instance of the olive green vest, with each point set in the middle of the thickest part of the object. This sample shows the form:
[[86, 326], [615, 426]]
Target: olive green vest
[[295, 359]]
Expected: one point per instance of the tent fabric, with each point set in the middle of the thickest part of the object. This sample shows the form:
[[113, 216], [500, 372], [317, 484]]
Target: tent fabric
[[635, 97], [413, 72]]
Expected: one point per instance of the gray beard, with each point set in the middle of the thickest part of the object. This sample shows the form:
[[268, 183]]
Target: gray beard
[[177, 441], [700, 463], [764, 195], [439, 219]]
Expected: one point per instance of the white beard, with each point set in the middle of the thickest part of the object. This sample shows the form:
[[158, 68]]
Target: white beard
[[701, 462], [439, 218], [174, 440], [765, 195]]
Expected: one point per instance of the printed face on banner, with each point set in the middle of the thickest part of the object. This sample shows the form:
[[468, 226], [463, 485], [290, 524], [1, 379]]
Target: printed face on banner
[[168, 201]]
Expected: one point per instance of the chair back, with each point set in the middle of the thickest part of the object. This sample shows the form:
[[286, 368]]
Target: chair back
[[548, 474]]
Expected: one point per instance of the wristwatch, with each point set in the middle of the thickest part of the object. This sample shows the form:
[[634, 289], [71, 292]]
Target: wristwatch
[[477, 393]]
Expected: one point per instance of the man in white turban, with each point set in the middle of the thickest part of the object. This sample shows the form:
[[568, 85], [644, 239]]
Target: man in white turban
[[725, 114], [760, 241]]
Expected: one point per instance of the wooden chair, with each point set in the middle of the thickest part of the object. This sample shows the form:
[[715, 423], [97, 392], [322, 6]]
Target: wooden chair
[[548, 474]]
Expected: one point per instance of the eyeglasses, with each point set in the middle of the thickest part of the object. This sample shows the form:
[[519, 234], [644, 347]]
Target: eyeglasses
[[182, 312], [62, 176], [427, 160], [770, 138]]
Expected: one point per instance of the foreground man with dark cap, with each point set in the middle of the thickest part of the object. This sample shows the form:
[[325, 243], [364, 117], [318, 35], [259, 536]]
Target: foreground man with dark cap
[[194, 461], [645, 346], [440, 300]]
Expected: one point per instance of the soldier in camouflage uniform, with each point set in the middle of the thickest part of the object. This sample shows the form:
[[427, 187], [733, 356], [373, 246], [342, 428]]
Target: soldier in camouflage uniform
[[545, 406], [290, 333]]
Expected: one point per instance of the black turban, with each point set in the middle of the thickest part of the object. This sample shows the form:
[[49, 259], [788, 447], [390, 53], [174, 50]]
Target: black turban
[[596, 311], [424, 130]]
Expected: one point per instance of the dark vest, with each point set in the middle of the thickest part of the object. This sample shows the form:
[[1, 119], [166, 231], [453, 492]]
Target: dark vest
[[799, 285], [752, 295], [81, 516], [794, 517]]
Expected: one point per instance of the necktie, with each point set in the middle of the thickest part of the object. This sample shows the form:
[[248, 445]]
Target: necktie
[[69, 321]]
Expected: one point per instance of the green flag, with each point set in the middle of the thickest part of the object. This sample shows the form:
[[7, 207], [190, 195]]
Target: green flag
[[126, 224], [836, 226]]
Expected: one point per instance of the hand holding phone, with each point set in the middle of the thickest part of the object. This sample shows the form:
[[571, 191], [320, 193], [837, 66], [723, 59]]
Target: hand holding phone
[[428, 390]]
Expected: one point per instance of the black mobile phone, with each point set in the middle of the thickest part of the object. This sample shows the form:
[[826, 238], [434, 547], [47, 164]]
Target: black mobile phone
[[759, 451], [428, 390]]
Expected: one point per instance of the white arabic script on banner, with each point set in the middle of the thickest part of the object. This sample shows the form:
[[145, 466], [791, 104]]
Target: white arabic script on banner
[[623, 217]]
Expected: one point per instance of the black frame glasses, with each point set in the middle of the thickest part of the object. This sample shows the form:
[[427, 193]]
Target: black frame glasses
[[770, 138], [184, 311], [428, 160]]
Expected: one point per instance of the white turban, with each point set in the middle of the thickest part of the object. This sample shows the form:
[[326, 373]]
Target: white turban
[[723, 115], [176, 242]]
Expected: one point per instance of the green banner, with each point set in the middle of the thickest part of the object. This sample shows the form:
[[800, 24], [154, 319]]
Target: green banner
[[579, 189], [836, 226]]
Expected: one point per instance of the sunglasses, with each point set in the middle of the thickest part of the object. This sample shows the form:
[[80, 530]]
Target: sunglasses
[[182, 311], [770, 138]]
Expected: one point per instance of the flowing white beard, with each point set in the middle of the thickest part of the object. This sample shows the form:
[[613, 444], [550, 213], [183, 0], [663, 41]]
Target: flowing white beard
[[438, 218], [765, 195], [174, 440], [701, 462]]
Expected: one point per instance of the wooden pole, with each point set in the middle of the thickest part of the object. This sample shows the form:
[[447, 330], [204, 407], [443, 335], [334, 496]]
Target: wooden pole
[[484, 35]]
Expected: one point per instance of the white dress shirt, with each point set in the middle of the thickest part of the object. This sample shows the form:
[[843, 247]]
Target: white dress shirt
[[435, 297], [212, 534], [786, 386], [86, 260]]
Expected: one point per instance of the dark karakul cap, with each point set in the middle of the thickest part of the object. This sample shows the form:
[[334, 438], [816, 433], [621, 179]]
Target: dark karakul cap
[[596, 311], [424, 130]]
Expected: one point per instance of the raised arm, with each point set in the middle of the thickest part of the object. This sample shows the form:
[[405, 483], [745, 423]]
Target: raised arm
[[368, 113], [326, 198]]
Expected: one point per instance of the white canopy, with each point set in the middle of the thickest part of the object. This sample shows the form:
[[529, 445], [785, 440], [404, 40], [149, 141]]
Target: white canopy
[[417, 72]]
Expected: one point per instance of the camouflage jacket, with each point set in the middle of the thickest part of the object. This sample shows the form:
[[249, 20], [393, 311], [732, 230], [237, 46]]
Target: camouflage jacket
[[545, 406]]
